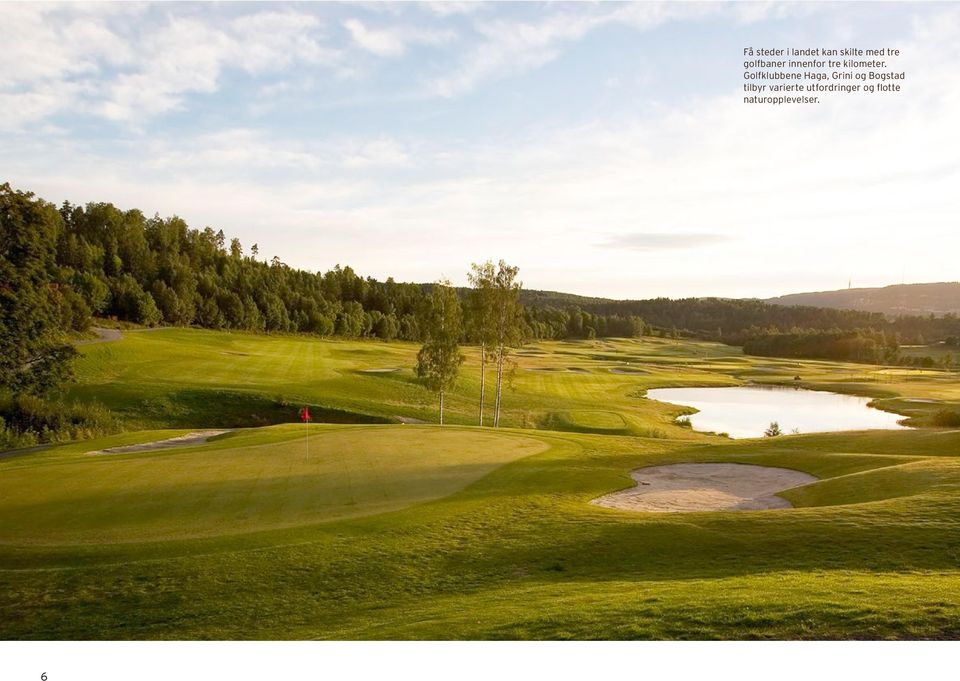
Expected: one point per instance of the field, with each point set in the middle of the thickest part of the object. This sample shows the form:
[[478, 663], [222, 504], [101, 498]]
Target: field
[[364, 527]]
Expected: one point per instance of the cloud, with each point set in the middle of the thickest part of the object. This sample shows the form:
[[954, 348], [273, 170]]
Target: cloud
[[664, 241], [514, 47], [798, 194], [248, 152], [187, 56], [114, 64], [446, 8], [378, 152], [394, 41], [509, 47]]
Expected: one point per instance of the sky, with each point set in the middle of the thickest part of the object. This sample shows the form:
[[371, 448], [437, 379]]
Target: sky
[[604, 148]]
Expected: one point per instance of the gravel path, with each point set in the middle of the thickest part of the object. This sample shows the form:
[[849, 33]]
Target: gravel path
[[103, 336]]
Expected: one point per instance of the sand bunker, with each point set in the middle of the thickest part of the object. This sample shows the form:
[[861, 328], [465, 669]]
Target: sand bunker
[[196, 438], [388, 370], [690, 487]]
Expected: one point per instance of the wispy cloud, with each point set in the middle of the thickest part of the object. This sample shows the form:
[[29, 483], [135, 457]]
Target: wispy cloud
[[513, 46], [133, 71], [394, 41], [367, 169], [664, 241]]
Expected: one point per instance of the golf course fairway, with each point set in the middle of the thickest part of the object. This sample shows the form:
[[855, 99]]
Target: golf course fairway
[[384, 530]]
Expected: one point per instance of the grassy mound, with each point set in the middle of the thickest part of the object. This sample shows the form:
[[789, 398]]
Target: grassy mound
[[587, 421]]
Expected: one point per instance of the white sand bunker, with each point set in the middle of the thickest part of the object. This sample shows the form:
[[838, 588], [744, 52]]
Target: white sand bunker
[[197, 438], [690, 487]]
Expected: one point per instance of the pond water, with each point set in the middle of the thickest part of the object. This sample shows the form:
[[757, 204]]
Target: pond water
[[747, 411]]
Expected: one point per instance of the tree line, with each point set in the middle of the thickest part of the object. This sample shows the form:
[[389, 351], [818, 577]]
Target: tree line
[[112, 263], [873, 347], [734, 321]]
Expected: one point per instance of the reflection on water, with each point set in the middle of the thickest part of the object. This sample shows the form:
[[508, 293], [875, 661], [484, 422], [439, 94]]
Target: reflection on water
[[747, 411]]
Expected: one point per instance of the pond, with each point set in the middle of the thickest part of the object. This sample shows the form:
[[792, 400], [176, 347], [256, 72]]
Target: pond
[[747, 411]]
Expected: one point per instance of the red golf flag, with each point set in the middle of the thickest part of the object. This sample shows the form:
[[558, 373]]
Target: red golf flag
[[305, 415]]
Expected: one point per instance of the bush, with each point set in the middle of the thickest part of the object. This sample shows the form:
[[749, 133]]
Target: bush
[[945, 418], [26, 420]]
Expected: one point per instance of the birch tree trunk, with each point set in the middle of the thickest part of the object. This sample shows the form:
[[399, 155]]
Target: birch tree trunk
[[496, 413], [483, 355]]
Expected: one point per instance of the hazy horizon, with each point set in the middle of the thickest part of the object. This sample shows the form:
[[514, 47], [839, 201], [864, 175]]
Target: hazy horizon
[[603, 148]]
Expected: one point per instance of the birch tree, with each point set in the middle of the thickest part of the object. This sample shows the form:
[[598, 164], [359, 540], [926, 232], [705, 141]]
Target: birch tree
[[507, 323], [439, 360], [481, 318]]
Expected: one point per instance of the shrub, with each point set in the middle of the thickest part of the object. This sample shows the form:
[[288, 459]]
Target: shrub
[[946, 418], [26, 420]]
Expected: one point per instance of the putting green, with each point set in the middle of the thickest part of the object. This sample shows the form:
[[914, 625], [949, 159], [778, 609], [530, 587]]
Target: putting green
[[248, 481]]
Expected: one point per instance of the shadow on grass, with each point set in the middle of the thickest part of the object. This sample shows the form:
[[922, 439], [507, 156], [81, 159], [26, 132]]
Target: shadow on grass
[[231, 409]]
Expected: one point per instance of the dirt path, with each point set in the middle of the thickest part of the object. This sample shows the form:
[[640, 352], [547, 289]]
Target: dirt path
[[103, 336], [690, 487], [195, 438]]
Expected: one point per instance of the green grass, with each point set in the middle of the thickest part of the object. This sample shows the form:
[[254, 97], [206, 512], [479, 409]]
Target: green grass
[[195, 378], [393, 531], [269, 478]]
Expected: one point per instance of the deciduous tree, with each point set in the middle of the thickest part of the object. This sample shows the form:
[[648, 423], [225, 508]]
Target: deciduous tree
[[507, 323], [481, 327], [439, 360], [34, 354]]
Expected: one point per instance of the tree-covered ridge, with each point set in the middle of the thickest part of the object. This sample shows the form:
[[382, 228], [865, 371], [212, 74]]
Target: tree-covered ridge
[[734, 320], [105, 261], [118, 263], [937, 298], [158, 270]]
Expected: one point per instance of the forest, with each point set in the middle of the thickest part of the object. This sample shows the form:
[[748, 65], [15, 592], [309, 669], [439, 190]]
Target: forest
[[736, 320], [101, 261]]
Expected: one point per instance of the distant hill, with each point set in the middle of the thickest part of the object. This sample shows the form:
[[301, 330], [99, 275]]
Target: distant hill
[[894, 301]]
